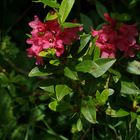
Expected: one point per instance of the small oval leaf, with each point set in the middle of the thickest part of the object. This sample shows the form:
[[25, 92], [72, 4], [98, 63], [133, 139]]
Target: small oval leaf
[[38, 72], [61, 91]]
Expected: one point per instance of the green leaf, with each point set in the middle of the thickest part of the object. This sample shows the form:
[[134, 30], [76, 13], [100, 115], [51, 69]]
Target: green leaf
[[55, 62], [121, 17], [138, 123], [74, 129], [88, 110], [59, 106], [70, 74], [133, 116], [3, 78], [65, 8], [50, 3], [133, 3], [38, 113], [51, 16], [86, 66], [97, 68], [53, 105], [104, 64], [70, 25], [116, 75], [111, 91], [84, 39], [97, 96], [87, 22], [116, 114], [134, 67], [49, 52], [43, 54], [96, 53], [103, 97], [79, 125], [49, 89], [18, 132], [17, 79], [129, 88], [38, 72], [121, 113], [61, 91], [101, 9], [12, 89]]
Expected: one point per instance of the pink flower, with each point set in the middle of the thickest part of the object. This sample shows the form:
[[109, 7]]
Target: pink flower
[[70, 34], [49, 35], [110, 20], [37, 26], [115, 37]]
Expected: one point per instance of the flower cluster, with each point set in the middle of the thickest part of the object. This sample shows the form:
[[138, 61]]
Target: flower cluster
[[49, 35], [116, 36]]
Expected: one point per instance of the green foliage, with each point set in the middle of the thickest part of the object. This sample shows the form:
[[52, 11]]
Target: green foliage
[[51, 16], [101, 98], [129, 88], [121, 17], [134, 67], [87, 22], [101, 9], [61, 91], [65, 9], [50, 3], [97, 68], [38, 72], [78, 96], [70, 74], [8, 48], [70, 25], [84, 39], [88, 110], [114, 113]]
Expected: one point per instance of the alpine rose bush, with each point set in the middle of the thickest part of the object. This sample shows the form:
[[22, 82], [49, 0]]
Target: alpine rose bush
[[114, 37], [84, 80], [49, 35]]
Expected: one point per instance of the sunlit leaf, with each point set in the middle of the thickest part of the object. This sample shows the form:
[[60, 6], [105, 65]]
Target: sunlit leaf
[[49, 89], [38, 72], [116, 114], [64, 9], [61, 91], [50, 3], [53, 105], [51, 16], [70, 74], [79, 125], [134, 67], [88, 110], [70, 25], [129, 88], [102, 97], [84, 39], [138, 123], [96, 68]]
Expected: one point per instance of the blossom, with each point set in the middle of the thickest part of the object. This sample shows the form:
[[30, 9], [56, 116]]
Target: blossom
[[49, 35], [115, 37]]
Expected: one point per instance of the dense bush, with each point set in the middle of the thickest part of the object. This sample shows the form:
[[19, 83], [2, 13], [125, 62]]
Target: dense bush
[[69, 70]]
